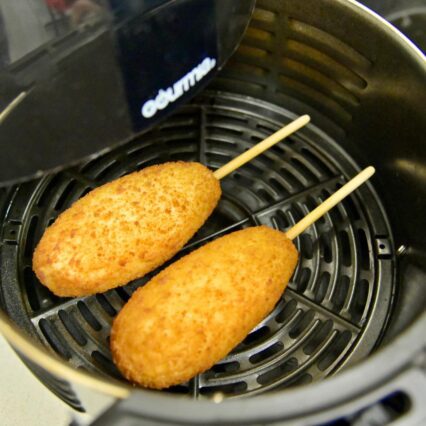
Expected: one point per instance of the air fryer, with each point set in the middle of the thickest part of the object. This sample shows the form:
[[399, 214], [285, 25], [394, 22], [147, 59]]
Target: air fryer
[[345, 344]]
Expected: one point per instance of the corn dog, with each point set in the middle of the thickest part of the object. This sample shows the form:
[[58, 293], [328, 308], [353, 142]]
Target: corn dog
[[197, 310], [125, 228]]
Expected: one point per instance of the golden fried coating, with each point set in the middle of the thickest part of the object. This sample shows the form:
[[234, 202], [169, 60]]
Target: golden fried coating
[[125, 229], [193, 313]]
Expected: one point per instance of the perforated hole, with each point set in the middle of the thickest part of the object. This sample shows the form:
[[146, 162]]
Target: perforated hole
[[287, 312], [278, 186], [303, 279], [72, 327], [334, 350], [30, 288], [291, 180], [105, 364], [267, 353], [351, 208], [322, 287], [103, 301], [244, 180], [88, 316], [302, 324], [316, 161], [228, 367], [341, 292], [282, 220], [54, 338], [325, 247], [278, 372], [304, 169], [306, 246], [345, 248], [359, 302], [317, 338], [123, 294], [106, 171], [265, 195], [256, 336]]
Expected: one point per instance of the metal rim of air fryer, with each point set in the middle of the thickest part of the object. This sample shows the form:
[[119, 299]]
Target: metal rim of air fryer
[[380, 367]]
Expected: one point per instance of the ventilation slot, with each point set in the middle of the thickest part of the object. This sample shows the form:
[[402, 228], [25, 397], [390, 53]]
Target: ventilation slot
[[345, 251], [72, 327], [264, 16], [108, 308], [303, 280], [267, 353], [65, 199], [341, 292], [319, 82], [105, 364], [317, 338], [50, 189], [256, 336], [306, 246], [54, 338], [334, 350], [307, 172], [317, 162], [330, 67], [288, 312], [322, 287], [330, 45], [359, 302], [314, 97], [278, 372], [107, 172], [228, 367], [302, 324], [282, 220], [325, 247], [88, 316]]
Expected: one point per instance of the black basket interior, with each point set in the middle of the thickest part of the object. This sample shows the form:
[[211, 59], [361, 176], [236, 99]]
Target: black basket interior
[[336, 306]]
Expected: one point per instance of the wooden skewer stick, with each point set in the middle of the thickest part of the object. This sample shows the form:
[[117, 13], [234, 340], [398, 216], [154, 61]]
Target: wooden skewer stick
[[11, 106], [261, 146], [330, 202]]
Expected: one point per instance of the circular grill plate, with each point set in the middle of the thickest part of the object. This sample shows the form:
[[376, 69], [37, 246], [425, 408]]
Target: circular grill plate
[[337, 303]]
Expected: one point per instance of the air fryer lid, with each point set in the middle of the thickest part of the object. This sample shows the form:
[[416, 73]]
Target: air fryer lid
[[92, 86]]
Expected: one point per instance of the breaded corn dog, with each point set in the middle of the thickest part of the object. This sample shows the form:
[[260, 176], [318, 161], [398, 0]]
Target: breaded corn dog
[[193, 313], [125, 229]]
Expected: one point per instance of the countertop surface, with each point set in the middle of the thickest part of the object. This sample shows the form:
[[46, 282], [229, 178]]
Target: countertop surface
[[23, 399]]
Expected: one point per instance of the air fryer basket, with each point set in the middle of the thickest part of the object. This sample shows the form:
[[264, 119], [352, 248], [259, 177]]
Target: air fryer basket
[[358, 282]]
